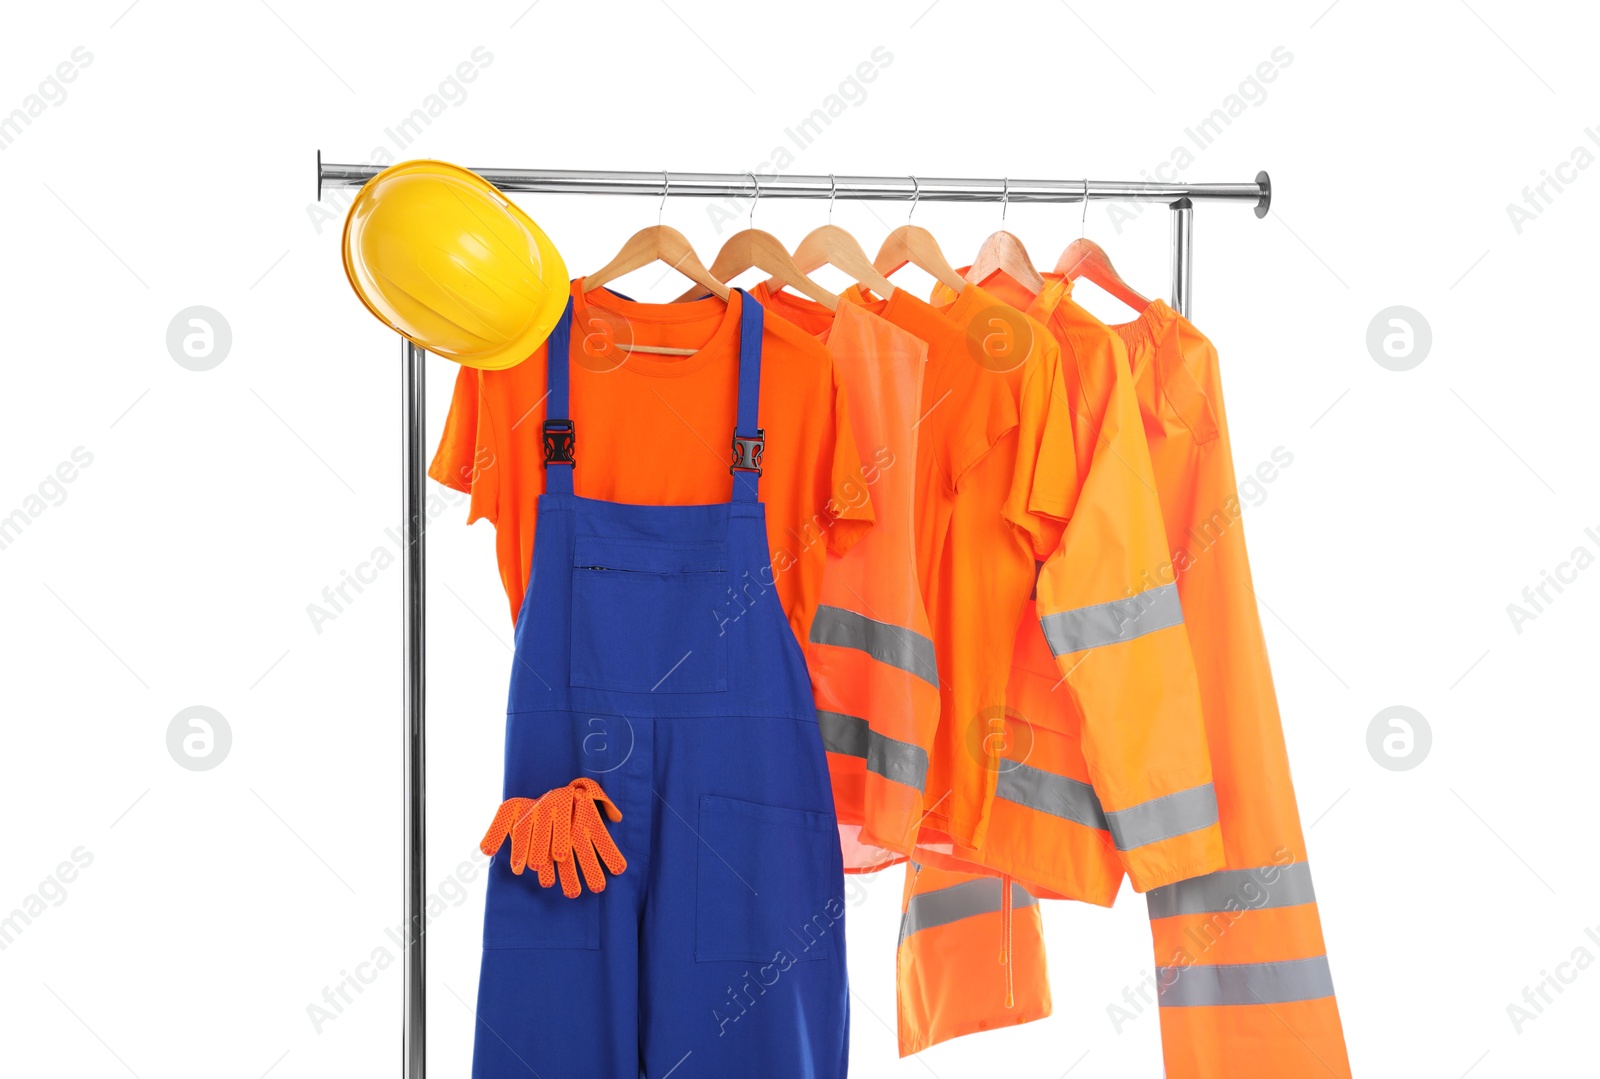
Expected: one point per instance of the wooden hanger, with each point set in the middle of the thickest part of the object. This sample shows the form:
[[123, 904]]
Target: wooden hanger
[[753, 249], [1085, 258], [1003, 251], [658, 243], [830, 245], [915, 245]]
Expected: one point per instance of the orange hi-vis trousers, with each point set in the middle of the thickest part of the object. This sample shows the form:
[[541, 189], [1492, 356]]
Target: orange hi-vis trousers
[[967, 960], [1242, 972]]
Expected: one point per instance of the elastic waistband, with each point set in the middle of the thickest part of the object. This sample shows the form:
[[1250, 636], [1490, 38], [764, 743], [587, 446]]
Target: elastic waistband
[[1149, 327]]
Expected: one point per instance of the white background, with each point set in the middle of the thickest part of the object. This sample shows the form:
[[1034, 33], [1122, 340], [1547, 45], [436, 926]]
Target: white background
[[177, 567]]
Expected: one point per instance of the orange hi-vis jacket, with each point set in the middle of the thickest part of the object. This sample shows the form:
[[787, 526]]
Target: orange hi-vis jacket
[[1084, 773], [1242, 973], [1098, 763], [870, 650]]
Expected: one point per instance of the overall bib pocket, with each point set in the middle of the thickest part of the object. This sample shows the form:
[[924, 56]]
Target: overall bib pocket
[[764, 893], [646, 616]]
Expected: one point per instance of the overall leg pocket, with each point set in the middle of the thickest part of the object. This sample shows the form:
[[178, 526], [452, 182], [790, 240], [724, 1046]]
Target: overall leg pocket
[[647, 616], [770, 883], [518, 913]]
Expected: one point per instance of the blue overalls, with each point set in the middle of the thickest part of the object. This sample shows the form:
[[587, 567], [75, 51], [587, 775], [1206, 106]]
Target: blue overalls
[[652, 656]]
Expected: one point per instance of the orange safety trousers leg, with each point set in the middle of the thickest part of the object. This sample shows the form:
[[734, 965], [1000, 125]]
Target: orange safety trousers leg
[[968, 959], [1242, 973]]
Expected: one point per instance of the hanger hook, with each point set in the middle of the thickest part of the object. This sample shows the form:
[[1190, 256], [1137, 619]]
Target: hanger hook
[[666, 188], [916, 193], [1005, 197], [833, 193], [757, 182], [1083, 222]]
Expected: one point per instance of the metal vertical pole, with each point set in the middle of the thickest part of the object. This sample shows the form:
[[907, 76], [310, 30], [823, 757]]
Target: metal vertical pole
[[1182, 256], [414, 1029]]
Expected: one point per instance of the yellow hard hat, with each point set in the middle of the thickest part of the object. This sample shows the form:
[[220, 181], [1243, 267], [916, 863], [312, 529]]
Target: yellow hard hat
[[437, 253]]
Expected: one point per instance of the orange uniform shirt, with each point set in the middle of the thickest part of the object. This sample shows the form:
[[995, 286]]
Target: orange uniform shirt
[[964, 413], [656, 430], [985, 576]]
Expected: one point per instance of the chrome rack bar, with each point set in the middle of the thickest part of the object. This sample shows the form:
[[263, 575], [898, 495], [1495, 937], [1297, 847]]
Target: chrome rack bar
[[1181, 197], [870, 188]]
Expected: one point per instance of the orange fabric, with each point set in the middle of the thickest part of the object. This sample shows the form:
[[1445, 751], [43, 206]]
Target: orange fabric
[[551, 832], [656, 430], [863, 652], [1058, 857], [984, 578], [1268, 935], [964, 413], [1289, 1040], [1180, 396], [949, 982]]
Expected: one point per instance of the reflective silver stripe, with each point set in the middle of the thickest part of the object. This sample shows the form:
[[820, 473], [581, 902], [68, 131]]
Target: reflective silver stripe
[[1163, 818], [1074, 800], [1230, 890], [964, 900], [1060, 796], [1109, 623], [884, 642], [894, 760], [1205, 985]]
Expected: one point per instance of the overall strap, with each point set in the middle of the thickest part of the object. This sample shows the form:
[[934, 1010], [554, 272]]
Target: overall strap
[[560, 437], [749, 440]]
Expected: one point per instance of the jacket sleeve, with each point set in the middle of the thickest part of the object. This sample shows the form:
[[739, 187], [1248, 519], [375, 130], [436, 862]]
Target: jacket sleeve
[[1108, 605]]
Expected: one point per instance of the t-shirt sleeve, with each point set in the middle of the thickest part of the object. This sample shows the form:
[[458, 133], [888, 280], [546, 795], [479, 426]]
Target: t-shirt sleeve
[[850, 501], [466, 455], [1044, 487]]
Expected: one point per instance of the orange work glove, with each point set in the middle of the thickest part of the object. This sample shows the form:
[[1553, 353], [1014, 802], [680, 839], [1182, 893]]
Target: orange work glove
[[556, 830], [588, 836]]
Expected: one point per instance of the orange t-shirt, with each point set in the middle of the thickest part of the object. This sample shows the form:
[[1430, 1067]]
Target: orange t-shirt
[[657, 430], [985, 576], [964, 413]]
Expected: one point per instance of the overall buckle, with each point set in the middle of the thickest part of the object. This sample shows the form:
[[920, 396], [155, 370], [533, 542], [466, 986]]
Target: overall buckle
[[747, 452], [560, 441]]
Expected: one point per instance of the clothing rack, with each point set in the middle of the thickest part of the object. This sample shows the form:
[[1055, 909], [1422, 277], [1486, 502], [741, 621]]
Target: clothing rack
[[1180, 197]]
